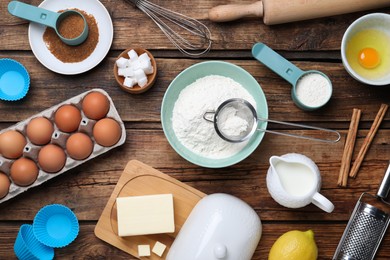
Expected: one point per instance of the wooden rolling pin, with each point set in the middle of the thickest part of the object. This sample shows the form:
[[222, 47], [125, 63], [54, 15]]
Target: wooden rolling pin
[[284, 11]]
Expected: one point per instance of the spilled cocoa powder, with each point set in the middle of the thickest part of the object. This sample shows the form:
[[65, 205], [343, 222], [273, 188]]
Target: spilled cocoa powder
[[67, 53]]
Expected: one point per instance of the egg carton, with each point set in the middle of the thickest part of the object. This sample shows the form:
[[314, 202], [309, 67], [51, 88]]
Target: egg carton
[[59, 138]]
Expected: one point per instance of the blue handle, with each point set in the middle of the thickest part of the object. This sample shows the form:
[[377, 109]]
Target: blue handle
[[33, 13], [277, 63]]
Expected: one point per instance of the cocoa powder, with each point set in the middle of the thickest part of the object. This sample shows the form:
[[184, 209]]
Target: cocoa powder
[[71, 54]]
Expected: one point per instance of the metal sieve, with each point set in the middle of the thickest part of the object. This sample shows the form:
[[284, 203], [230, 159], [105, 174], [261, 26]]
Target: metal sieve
[[247, 122]]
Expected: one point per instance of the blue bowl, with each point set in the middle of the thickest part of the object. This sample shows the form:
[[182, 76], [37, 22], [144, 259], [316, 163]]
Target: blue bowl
[[28, 247], [14, 80], [55, 225], [189, 76]]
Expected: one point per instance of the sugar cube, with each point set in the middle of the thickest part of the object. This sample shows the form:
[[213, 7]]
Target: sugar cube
[[143, 250], [139, 74], [135, 64], [121, 62], [147, 67], [159, 248], [142, 82], [129, 82], [133, 55], [128, 72], [121, 71], [144, 56]]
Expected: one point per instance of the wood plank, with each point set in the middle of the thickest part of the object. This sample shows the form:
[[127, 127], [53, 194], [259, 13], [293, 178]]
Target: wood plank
[[88, 246], [317, 34], [139, 179], [96, 179], [48, 89]]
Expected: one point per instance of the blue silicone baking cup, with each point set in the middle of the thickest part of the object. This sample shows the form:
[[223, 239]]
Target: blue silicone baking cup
[[14, 80], [55, 225], [28, 247]]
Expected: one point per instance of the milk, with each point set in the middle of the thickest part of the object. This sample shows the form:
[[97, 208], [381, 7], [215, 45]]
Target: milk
[[296, 178]]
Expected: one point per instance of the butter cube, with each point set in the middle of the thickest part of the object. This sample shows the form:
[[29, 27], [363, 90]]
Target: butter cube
[[144, 215], [143, 250], [159, 248]]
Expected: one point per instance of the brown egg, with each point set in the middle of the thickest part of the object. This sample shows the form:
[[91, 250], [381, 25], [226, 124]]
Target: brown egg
[[24, 172], [68, 118], [51, 158], [107, 132], [12, 144], [39, 130], [4, 185], [95, 105], [79, 146]]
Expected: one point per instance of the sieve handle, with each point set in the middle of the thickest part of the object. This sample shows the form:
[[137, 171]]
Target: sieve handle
[[333, 132], [384, 188]]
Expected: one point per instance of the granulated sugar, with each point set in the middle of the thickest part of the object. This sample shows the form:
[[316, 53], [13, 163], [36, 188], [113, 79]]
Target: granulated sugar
[[192, 130], [313, 90]]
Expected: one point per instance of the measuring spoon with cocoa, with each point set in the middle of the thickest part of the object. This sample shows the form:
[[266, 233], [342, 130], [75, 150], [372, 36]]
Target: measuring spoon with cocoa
[[57, 21]]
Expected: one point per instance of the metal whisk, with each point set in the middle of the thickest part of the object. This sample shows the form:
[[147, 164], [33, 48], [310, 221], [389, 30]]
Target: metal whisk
[[194, 37]]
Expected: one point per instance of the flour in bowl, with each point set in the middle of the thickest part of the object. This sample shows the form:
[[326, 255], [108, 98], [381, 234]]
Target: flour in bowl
[[192, 130]]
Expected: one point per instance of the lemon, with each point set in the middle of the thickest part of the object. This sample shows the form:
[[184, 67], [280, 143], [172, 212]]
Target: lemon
[[294, 245]]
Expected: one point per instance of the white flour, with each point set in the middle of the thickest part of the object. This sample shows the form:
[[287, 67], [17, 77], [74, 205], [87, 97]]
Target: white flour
[[231, 124], [192, 130], [313, 90]]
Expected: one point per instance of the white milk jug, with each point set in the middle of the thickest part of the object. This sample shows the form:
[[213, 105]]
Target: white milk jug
[[294, 181]]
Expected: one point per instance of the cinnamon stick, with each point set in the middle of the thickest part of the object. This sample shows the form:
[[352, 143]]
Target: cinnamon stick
[[348, 148], [367, 142]]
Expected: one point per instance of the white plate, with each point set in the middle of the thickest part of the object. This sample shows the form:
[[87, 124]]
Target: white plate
[[106, 33]]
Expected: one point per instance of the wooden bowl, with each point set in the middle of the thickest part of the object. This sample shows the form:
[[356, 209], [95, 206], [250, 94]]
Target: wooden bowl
[[136, 89]]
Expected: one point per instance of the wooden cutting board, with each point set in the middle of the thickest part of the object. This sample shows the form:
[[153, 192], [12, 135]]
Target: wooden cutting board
[[140, 179]]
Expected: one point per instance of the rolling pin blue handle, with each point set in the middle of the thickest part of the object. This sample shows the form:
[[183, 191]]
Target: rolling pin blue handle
[[276, 63], [33, 13]]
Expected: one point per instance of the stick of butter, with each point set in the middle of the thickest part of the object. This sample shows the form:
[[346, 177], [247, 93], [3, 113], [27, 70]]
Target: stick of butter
[[144, 215]]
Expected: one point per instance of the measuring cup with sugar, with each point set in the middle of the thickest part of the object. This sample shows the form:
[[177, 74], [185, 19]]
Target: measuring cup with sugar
[[236, 120], [48, 18], [311, 89]]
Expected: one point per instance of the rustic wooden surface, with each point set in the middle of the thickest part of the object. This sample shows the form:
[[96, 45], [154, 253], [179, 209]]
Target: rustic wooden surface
[[311, 44]]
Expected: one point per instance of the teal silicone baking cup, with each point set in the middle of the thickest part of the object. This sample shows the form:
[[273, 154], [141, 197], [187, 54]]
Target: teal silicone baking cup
[[55, 225], [28, 247], [14, 80]]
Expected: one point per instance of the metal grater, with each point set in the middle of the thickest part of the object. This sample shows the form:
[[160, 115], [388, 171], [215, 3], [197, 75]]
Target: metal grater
[[365, 228]]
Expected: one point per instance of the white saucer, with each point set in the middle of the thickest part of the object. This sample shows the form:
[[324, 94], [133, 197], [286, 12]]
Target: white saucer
[[106, 33]]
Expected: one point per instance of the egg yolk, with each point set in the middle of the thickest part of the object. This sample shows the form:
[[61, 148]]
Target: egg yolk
[[369, 58]]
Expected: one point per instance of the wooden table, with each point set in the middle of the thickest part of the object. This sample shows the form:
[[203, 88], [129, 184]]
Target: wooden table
[[311, 44]]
